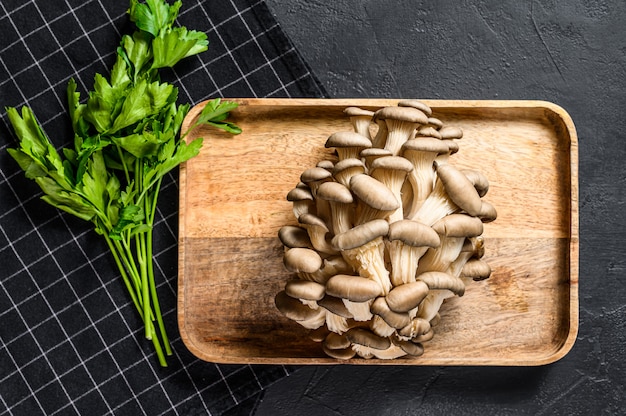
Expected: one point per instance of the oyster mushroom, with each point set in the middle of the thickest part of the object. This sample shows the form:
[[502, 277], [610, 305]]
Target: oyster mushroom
[[373, 153], [363, 248], [348, 144], [375, 200], [406, 297], [317, 230], [346, 169], [356, 292], [313, 178], [360, 119], [392, 171], [421, 152], [423, 107], [453, 230], [452, 192], [301, 199], [408, 241], [394, 319], [291, 237], [401, 123], [299, 312], [477, 269], [340, 200], [365, 341]]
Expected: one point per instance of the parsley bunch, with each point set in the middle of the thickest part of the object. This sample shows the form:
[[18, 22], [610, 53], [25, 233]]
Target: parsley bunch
[[126, 139]]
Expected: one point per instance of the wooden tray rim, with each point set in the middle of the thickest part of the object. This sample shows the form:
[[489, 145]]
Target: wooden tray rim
[[550, 108]]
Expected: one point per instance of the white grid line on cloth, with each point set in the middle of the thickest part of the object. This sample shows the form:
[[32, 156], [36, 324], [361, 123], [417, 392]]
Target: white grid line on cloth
[[37, 63], [54, 315], [256, 41]]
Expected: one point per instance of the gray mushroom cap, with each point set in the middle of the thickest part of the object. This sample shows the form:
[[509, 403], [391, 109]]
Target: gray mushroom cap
[[411, 348], [348, 143], [335, 305], [405, 297], [435, 122], [361, 234], [345, 169], [373, 153], [299, 194], [451, 132], [390, 163], [304, 289], [292, 237], [413, 233], [392, 318], [373, 193], [477, 269], [428, 131], [314, 175], [426, 144], [335, 192], [408, 114], [357, 111], [487, 212], [460, 190], [303, 260], [417, 104], [459, 225], [292, 308], [352, 288], [366, 338], [480, 181], [335, 341], [441, 280]]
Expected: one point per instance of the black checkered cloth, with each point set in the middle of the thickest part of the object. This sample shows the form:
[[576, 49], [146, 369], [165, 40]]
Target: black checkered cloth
[[71, 342]]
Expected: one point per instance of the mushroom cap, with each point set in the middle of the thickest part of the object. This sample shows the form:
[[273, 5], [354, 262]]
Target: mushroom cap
[[453, 147], [426, 144], [391, 163], [326, 164], [293, 308], [335, 341], [392, 318], [423, 107], [335, 305], [405, 297], [411, 348], [304, 289], [413, 233], [292, 237], [342, 354], [314, 174], [451, 132], [408, 114], [459, 225], [460, 190], [441, 280], [487, 212], [435, 122], [311, 220], [299, 194], [367, 338], [416, 327], [357, 111], [303, 260], [428, 131], [352, 288], [335, 192], [477, 269], [347, 139], [373, 193], [361, 234], [480, 181]]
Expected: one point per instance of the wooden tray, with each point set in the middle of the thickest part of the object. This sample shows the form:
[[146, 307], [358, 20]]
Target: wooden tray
[[232, 203]]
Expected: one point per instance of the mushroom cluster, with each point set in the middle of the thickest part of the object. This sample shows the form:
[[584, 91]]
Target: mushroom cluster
[[387, 230]]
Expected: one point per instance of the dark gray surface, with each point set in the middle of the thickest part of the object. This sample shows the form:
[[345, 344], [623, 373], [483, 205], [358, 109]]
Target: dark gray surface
[[572, 53]]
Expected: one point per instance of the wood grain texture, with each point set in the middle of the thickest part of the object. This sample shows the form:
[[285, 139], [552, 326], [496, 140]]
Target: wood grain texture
[[232, 203]]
